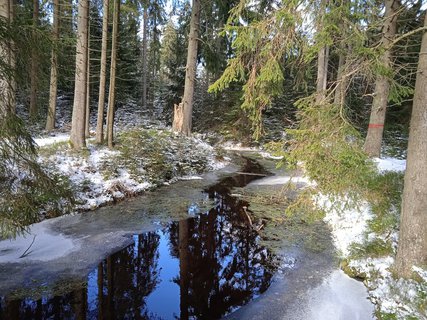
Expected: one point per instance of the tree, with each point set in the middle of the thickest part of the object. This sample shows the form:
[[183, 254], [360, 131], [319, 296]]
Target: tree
[[144, 55], [182, 121], [7, 67], [53, 88], [112, 89], [412, 248], [77, 136], [322, 59], [382, 84], [103, 75], [34, 65]]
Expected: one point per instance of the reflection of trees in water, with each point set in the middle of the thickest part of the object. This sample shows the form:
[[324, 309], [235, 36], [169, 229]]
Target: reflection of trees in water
[[123, 281], [221, 263]]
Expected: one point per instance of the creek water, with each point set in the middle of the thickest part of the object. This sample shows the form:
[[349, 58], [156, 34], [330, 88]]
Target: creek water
[[203, 267]]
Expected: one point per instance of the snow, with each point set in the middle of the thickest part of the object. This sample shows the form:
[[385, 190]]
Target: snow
[[280, 180], [348, 225], [41, 142], [390, 164], [47, 245], [339, 297]]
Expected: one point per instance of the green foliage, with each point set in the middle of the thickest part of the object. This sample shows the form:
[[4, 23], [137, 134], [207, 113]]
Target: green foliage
[[26, 189]]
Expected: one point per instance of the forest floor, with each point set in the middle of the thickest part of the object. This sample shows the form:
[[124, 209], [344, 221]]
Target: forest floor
[[148, 154]]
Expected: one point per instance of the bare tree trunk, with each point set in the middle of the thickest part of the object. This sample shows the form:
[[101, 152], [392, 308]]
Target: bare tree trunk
[[382, 85], [87, 118], [190, 73], [412, 248], [103, 75], [77, 136], [5, 87], [34, 65], [322, 74], [53, 89], [12, 60], [144, 56], [341, 86], [112, 89], [322, 60]]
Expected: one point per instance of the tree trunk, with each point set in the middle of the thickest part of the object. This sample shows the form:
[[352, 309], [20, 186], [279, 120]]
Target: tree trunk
[[12, 60], [34, 65], [77, 136], [103, 75], [341, 86], [190, 73], [87, 115], [322, 74], [322, 61], [144, 57], [112, 89], [4, 55], [382, 85], [412, 248], [50, 122]]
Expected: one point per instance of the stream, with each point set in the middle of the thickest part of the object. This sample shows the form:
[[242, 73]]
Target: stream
[[193, 250]]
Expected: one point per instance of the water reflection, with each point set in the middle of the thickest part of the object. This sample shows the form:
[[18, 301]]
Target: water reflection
[[199, 268]]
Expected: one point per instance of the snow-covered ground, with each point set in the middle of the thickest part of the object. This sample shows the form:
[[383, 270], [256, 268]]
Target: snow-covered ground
[[403, 298]]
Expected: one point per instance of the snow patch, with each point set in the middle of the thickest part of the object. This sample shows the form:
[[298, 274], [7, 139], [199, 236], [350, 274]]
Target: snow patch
[[390, 164], [47, 245], [280, 180], [41, 142]]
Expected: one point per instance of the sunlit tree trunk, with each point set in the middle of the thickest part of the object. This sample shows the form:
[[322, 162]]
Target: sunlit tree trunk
[[144, 56], [382, 85], [53, 89], [87, 118], [79, 107], [112, 89], [341, 86], [183, 113], [12, 59], [103, 75], [322, 61], [34, 65], [412, 248]]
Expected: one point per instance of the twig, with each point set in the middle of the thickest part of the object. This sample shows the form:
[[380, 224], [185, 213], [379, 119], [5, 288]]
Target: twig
[[26, 253]]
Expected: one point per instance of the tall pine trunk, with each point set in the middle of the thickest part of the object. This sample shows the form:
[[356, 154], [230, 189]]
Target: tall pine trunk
[[182, 121], [53, 89], [6, 74], [87, 115], [77, 136], [103, 75], [341, 86], [34, 65], [382, 85], [144, 56], [112, 89], [322, 61], [412, 248]]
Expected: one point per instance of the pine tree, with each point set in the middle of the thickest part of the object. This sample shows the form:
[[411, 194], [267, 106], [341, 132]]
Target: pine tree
[[77, 136], [34, 65], [412, 248]]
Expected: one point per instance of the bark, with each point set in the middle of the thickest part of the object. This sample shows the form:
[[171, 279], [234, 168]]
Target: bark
[[190, 73], [322, 62], [112, 89], [53, 89], [412, 248], [87, 115], [77, 136], [382, 85], [144, 56], [34, 65], [103, 75], [341, 86], [322, 74], [7, 76], [12, 60]]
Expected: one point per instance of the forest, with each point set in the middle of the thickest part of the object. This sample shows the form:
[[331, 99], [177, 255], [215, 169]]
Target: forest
[[316, 108]]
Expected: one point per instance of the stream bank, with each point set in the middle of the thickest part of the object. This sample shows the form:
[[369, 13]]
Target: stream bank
[[270, 266]]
